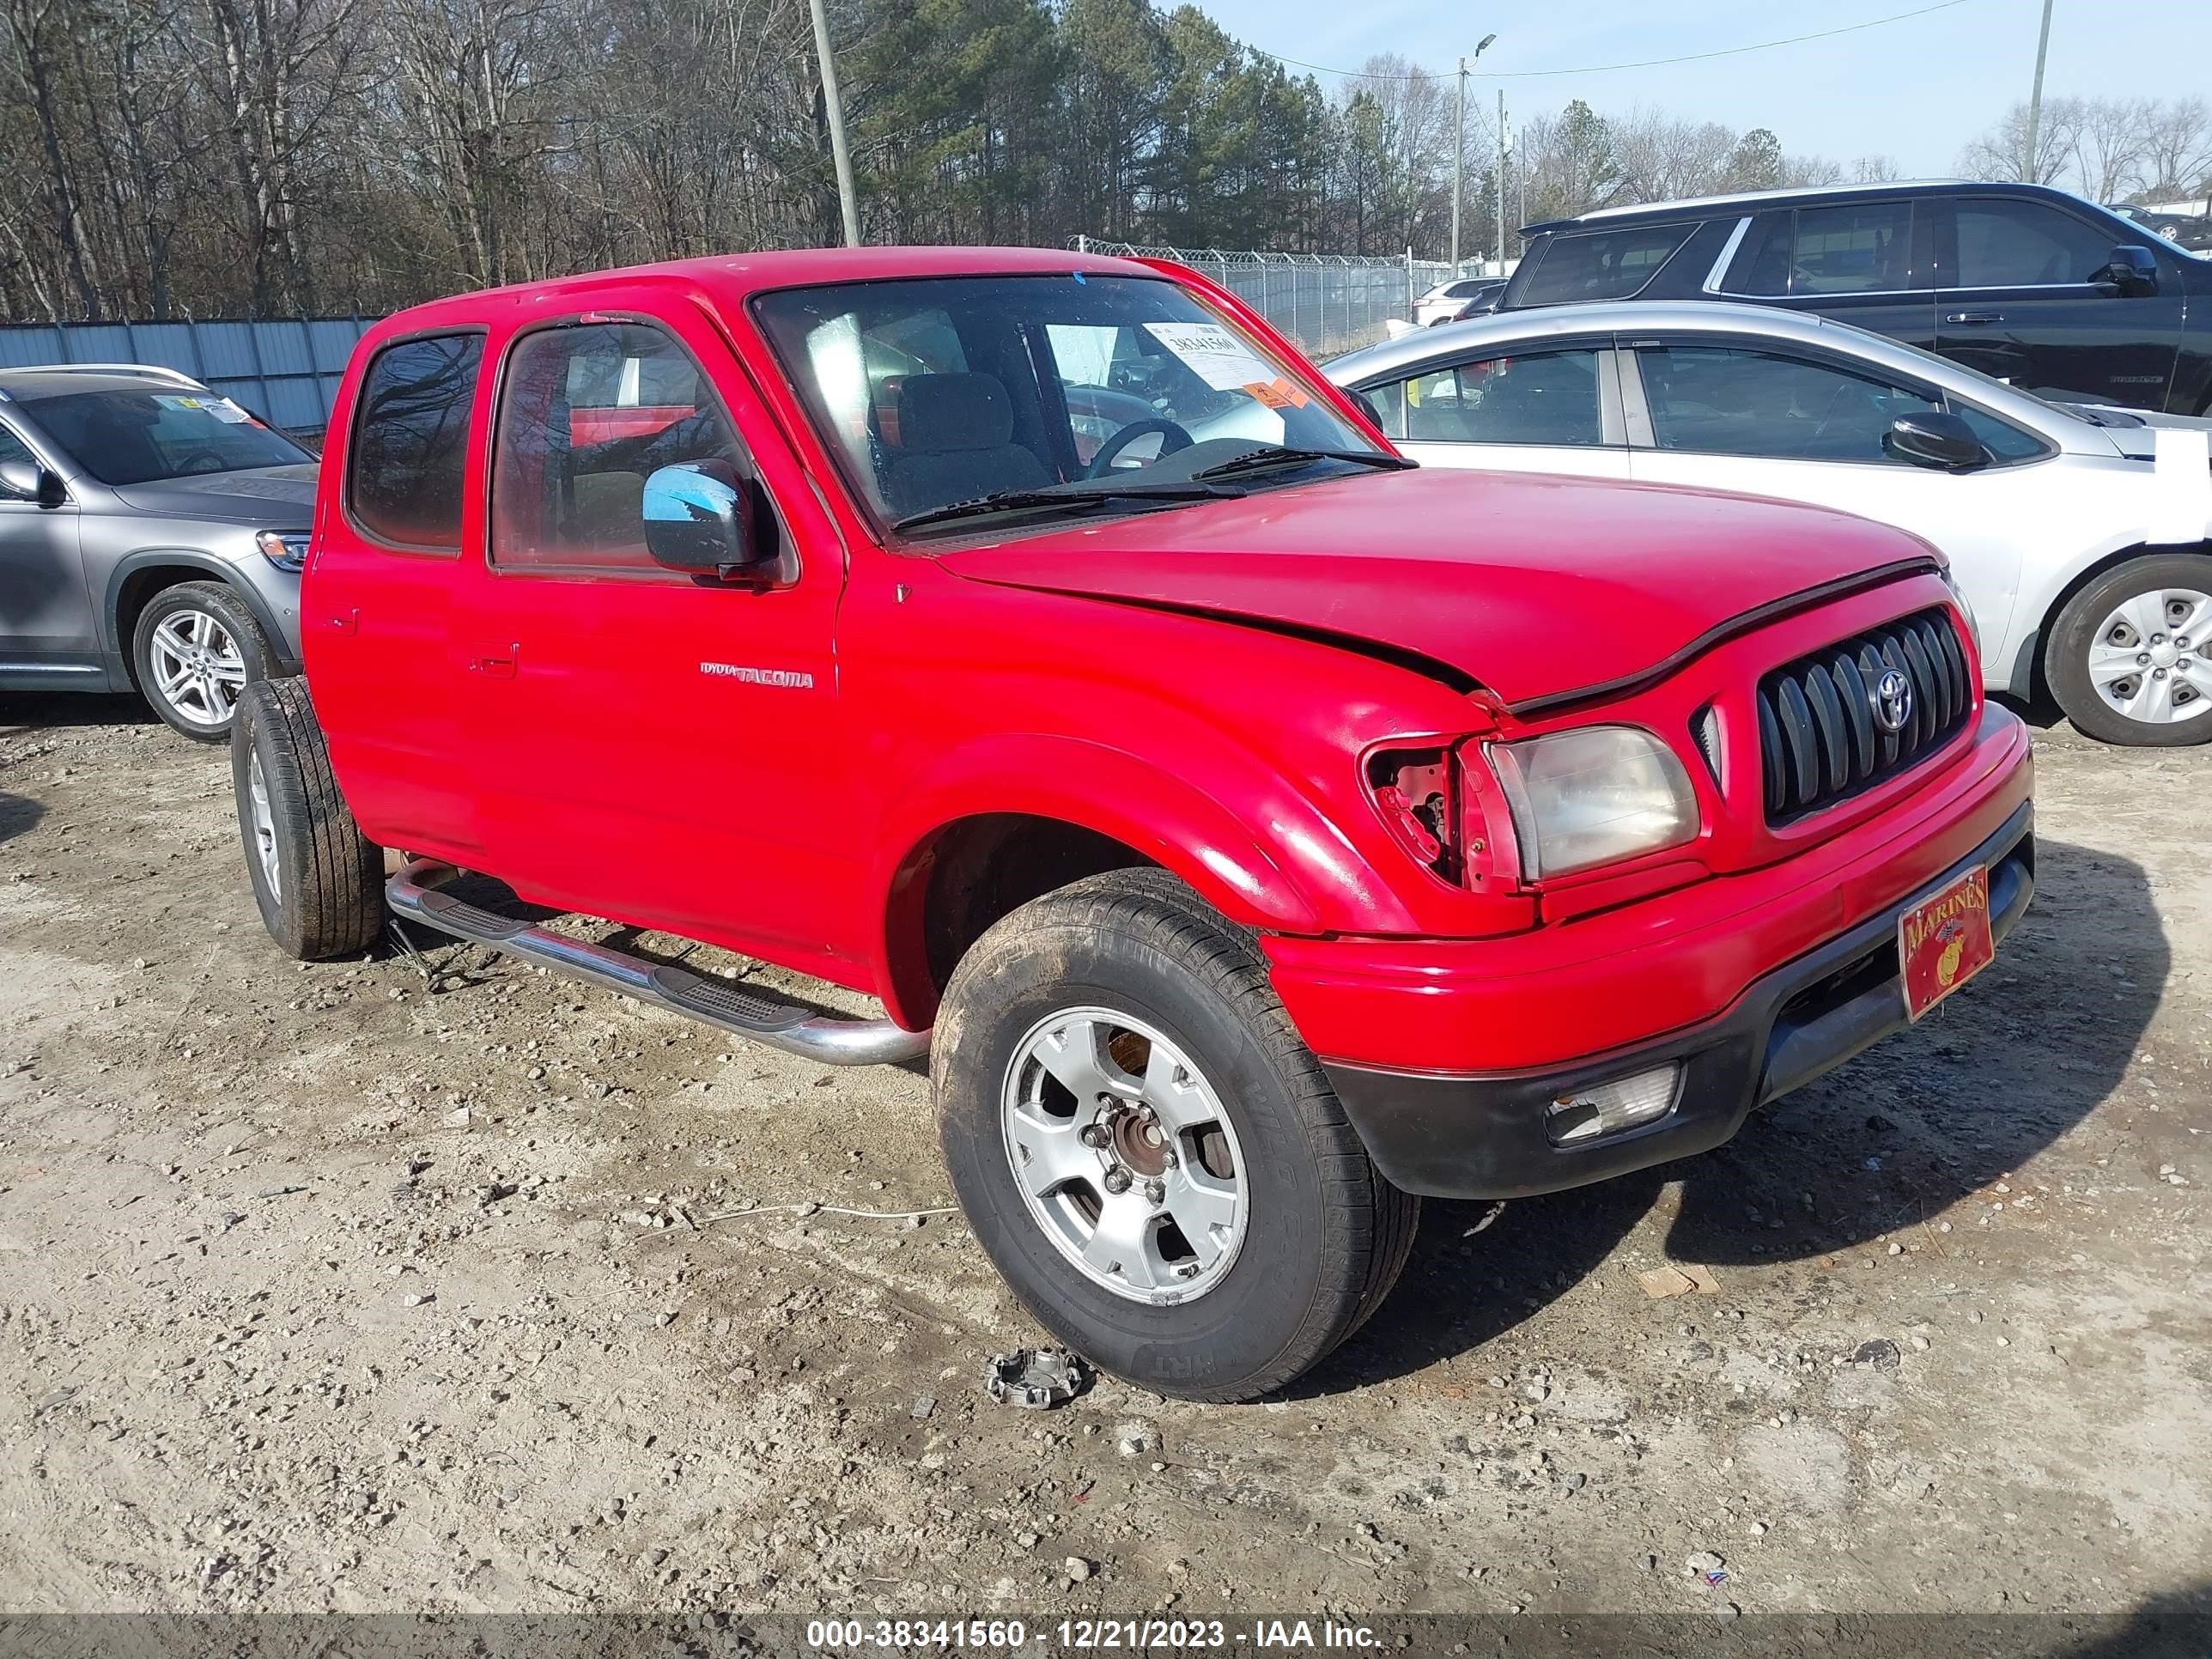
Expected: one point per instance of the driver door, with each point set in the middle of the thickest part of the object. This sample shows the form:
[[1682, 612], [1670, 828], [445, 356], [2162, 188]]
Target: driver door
[[47, 631]]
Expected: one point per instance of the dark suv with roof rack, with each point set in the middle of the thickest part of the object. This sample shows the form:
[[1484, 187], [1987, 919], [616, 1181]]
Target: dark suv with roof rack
[[2027, 283]]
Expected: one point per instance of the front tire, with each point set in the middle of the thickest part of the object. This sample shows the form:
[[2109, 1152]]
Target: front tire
[[2128, 659], [196, 648], [317, 881], [1146, 1150]]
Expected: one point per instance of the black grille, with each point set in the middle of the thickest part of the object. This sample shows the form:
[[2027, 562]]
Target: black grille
[[1819, 740]]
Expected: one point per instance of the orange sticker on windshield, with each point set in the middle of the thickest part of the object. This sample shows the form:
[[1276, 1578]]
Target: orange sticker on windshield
[[1277, 393]]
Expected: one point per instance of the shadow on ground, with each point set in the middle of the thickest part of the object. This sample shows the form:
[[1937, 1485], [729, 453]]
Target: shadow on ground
[[1894, 1138], [24, 709], [17, 814]]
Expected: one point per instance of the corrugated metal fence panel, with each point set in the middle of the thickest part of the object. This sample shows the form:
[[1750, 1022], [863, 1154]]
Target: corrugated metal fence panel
[[285, 369]]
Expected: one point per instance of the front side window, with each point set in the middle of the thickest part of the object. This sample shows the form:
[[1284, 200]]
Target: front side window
[[1852, 249], [1606, 264], [13, 449], [1539, 397], [2026, 245], [406, 465], [586, 413], [135, 437], [1718, 400], [938, 392]]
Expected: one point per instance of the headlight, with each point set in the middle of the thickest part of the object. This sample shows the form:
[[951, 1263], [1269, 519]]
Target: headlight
[[1965, 609], [285, 552], [1594, 796]]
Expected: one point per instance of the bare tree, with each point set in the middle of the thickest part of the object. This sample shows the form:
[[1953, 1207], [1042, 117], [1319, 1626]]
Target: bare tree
[[2001, 153], [2177, 148], [2108, 147]]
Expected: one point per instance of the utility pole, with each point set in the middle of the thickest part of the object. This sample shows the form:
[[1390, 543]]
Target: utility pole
[[1501, 181], [834, 106], [1458, 151], [2035, 97]]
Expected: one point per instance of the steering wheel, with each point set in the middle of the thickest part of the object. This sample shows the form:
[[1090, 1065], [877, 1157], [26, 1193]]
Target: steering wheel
[[1172, 438], [189, 464]]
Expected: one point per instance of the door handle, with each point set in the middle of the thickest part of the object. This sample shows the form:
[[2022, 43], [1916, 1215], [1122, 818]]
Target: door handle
[[1975, 319], [499, 667]]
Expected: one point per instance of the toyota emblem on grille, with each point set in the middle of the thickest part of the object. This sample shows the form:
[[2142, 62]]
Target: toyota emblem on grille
[[1892, 698]]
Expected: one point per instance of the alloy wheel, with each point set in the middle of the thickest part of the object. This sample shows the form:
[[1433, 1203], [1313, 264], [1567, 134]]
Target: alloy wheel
[[198, 669], [1124, 1155]]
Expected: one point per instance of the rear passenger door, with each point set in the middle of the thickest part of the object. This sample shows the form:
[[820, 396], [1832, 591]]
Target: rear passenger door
[[376, 602], [1552, 408], [2019, 303], [1869, 264], [652, 745]]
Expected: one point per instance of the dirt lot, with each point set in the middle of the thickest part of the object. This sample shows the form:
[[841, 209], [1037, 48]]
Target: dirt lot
[[346, 1288]]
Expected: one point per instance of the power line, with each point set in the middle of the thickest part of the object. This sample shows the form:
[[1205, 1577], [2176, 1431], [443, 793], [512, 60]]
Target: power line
[[1604, 69]]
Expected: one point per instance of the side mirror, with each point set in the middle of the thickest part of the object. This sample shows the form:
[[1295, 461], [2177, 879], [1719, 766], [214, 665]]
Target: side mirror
[[21, 481], [2132, 271], [1943, 441], [701, 516]]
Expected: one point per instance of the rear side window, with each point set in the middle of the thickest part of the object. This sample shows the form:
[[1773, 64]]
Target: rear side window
[[2026, 245], [1543, 397], [1606, 264], [406, 465], [586, 413], [1852, 249]]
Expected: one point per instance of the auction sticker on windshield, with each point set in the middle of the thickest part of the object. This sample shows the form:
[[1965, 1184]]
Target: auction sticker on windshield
[[1944, 941], [1213, 354]]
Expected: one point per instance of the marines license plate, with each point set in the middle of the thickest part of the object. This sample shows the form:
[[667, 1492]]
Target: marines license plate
[[1944, 941]]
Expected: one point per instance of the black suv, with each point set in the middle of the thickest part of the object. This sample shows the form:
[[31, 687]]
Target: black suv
[[2025, 283]]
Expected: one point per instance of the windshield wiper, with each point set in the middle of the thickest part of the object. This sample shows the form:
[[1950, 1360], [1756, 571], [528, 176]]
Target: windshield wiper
[[1266, 455], [1007, 501]]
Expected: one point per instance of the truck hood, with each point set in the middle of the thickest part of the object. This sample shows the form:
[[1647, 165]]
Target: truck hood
[[1534, 587], [262, 497]]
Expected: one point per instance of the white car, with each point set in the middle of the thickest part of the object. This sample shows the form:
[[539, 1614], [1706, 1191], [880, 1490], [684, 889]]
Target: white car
[[2081, 535], [1442, 303]]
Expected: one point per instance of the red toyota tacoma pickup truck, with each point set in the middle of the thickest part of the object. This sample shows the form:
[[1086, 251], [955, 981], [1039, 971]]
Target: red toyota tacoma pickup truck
[[1255, 832]]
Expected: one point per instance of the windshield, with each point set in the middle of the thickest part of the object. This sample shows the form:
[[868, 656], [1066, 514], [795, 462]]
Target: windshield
[[136, 437], [937, 391]]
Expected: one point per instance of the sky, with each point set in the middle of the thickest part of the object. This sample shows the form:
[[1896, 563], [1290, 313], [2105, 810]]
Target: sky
[[1917, 91]]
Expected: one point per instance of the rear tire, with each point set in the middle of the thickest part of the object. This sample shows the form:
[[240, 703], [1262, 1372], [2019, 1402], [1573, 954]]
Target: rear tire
[[2116, 661], [1267, 1238], [194, 651], [317, 881]]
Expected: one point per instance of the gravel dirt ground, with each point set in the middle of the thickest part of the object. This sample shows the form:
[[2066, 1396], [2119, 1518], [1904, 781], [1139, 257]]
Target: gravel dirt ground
[[414, 1283]]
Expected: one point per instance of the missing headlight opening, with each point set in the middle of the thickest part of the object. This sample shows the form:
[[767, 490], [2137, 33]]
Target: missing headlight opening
[[1413, 790]]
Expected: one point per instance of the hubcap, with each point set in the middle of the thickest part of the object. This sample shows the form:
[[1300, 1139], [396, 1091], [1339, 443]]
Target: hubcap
[[197, 667], [1125, 1157], [264, 828], [2148, 659]]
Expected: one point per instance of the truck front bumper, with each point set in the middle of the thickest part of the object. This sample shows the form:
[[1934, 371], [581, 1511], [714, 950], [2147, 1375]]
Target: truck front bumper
[[1794, 985]]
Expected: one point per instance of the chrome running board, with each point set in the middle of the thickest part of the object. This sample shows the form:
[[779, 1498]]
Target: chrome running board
[[746, 1009]]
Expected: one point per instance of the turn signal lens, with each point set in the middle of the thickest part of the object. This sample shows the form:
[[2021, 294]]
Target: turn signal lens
[[1610, 1108], [285, 552]]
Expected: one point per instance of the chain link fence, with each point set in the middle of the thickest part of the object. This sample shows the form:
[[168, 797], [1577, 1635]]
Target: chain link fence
[[1326, 303]]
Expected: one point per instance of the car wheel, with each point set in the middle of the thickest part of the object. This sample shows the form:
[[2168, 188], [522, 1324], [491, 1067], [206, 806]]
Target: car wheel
[[2130, 656], [1146, 1150], [317, 881], [195, 648]]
